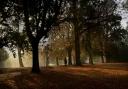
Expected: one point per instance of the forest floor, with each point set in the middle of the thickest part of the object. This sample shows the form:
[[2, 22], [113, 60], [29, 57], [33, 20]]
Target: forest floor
[[99, 76]]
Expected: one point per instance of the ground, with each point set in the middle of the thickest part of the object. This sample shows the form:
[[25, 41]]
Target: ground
[[100, 76]]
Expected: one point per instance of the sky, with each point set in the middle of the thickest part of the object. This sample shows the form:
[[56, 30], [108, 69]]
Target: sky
[[123, 13]]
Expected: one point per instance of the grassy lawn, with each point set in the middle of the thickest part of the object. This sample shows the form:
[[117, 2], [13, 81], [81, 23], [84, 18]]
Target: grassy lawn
[[100, 76]]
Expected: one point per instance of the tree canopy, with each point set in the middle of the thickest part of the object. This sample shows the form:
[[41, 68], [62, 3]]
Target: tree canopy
[[92, 25]]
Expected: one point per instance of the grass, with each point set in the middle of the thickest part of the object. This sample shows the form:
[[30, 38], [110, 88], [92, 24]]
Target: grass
[[100, 76]]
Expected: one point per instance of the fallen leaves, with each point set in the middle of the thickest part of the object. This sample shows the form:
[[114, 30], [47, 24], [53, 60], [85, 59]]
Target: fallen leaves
[[86, 77]]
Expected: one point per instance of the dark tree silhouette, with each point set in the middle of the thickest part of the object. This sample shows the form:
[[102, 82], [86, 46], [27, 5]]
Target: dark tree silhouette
[[40, 16], [77, 32]]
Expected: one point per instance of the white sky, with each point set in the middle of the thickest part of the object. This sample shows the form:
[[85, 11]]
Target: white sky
[[123, 13]]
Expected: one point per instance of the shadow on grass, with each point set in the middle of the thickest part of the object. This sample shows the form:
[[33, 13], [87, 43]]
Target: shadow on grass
[[54, 79]]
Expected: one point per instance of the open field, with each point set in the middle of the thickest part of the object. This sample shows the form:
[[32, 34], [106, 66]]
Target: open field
[[100, 76]]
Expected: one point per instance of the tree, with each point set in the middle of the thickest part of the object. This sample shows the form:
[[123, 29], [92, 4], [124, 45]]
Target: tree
[[125, 4], [40, 17], [3, 57], [77, 27], [14, 36], [63, 39], [4, 27], [99, 17]]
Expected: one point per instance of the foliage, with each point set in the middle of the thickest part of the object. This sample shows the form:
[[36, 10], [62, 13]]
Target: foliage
[[3, 55], [95, 27], [63, 39]]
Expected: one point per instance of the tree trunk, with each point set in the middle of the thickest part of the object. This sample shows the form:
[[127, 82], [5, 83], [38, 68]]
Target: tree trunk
[[35, 65], [57, 61], [19, 43], [47, 61], [102, 45], [20, 58], [88, 47], [77, 34], [47, 58], [90, 57], [103, 54], [33, 40], [77, 47], [69, 49], [102, 57], [65, 61]]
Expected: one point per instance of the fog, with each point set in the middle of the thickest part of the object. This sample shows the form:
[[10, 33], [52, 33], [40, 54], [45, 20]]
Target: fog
[[11, 62]]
